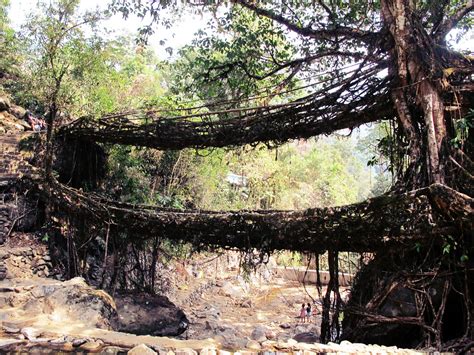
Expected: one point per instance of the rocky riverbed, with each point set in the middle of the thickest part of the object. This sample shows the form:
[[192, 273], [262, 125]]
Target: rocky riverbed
[[65, 316], [74, 317], [210, 310]]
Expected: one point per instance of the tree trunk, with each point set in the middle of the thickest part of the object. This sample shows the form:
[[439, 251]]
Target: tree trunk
[[48, 159], [416, 97], [433, 109]]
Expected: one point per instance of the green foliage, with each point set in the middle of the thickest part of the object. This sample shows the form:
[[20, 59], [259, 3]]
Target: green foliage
[[125, 76], [57, 55], [450, 244], [379, 148], [126, 170], [462, 127], [45, 238], [222, 59], [86, 74], [296, 176], [4, 4], [10, 48], [289, 259], [179, 251], [69, 62], [147, 176], [348, 262]]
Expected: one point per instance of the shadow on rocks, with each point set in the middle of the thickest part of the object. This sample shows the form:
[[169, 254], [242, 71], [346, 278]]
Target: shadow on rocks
[[145, 314]]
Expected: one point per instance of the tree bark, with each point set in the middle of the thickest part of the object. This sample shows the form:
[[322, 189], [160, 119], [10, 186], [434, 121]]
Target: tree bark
[[433, 109], [416, 97]]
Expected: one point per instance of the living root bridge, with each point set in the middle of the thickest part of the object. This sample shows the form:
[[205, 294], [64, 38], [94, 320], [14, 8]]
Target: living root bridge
[[338, 106], [381, 222], [170, 133]]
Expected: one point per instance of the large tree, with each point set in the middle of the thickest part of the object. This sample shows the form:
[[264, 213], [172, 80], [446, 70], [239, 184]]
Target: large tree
[[367, 61], [356, 62], [60, 56]]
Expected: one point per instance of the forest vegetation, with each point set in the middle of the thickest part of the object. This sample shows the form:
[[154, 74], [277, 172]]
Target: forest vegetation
[[314, 126]]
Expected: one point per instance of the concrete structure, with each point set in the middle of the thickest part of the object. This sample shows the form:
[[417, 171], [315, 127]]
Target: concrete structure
[[298, 274]]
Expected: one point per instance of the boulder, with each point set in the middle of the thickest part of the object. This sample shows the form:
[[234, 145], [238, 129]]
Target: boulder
[[30, 333], [400, 302], [208, 351], [145, 314], [211, 312], [300, 328], [142, 349], [33, 306], [4, 103], [226, 328], [83, 303], [208, 312], [10, 330], [185, 351], [5, 344], [112, 350], [59, 341], [231, 341], [67, 347], [78, 342], [253, 345], [230, 290], [92, 346], [76, 301], [10, 123], [307, 337], [210, 325], [258, 334], [269, 344], [17, 111], [283, 336], [270, 334]]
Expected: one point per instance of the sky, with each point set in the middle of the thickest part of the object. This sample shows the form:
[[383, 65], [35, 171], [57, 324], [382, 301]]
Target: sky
[[179, 35]]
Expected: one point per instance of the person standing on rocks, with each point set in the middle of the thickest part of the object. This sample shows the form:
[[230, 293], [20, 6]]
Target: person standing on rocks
[[302, 313], [308, 312]]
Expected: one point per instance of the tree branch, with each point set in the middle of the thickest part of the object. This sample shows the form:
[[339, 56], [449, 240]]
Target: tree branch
[[294, 63], [348, 32], [453, 20]]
